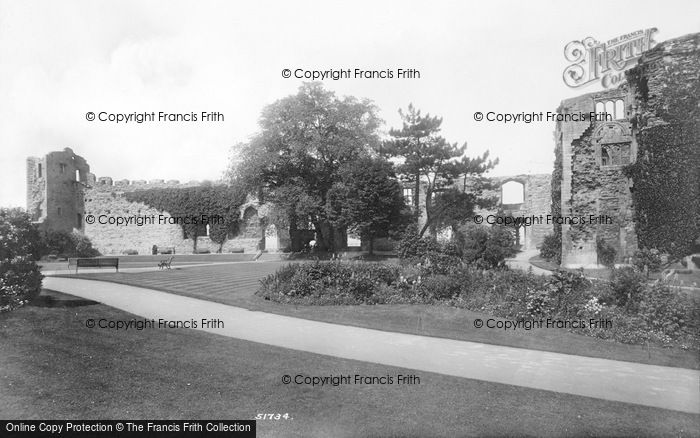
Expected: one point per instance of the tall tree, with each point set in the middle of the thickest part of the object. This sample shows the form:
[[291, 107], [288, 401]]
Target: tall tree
[[428, 161], [296, 158], [369, 200], [411, 143]]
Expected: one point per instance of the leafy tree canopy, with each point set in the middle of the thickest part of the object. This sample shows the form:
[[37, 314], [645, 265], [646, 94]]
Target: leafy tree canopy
[[296, 158], [369, 200]]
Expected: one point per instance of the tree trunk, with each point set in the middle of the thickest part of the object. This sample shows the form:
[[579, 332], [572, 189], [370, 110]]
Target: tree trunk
[[340, 238], [416, 194], [371, 246], [294, 235], [324, 236]]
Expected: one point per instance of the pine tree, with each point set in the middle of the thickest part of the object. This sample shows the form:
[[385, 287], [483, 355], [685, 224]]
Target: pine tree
[[428, 159]]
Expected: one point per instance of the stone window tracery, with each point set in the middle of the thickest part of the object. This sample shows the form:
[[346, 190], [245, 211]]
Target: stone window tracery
[[615, 108]]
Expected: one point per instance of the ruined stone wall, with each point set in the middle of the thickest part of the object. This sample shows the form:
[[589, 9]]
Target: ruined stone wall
[[536, 202], [666, 121], [54, 189], [62, 195], [596, 155], [104, 201], [36, 188]]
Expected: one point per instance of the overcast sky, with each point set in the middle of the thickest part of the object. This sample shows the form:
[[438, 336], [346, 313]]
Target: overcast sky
[[60, 60]]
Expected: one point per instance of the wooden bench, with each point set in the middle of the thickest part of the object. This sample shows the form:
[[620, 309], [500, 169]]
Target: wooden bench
[[165, 263], [102, 262]]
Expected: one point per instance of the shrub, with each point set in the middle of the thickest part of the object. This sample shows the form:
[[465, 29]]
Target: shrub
[[440, 287], [626, 287], [649, 259], [73, 244], [329, 282], [502, 292], [606, 253], [569, 292], [20, 282], [550, 249], [440, 263], [486, 247], [20, 278], [18, 235], [538, 303], [83, 246], [663, 310], [58, 242], [130, 252], [411, 247]]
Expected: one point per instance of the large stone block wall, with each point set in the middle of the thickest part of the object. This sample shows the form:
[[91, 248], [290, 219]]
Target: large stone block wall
[[104, 204]]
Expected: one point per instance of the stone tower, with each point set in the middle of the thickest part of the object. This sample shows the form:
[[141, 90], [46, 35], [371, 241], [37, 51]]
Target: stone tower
[[55, 186]]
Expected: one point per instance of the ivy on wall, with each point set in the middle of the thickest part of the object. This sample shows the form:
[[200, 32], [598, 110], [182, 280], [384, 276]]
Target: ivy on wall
[[556, 203], [666, 192], [666, 174], [217, 206]]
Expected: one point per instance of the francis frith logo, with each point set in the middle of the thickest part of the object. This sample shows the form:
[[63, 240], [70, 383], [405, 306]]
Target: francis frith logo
[[605, 62]]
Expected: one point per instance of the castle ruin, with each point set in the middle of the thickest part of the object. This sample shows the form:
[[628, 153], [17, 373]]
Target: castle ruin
[[592, 154], [62, 193]]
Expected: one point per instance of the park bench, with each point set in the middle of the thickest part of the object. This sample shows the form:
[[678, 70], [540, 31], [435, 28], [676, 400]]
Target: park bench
[[165, 263], [101, 262]]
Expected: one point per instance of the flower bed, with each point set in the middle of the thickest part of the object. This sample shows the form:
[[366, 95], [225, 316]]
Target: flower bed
[[649, 313]]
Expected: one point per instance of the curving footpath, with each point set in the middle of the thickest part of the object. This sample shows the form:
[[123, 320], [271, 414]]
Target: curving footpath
[[649, 385]]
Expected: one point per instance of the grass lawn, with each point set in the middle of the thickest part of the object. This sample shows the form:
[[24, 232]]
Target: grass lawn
[[150, 261], [53, 367], [235, 285]]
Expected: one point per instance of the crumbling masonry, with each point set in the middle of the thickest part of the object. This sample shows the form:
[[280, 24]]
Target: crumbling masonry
[[593, 154]]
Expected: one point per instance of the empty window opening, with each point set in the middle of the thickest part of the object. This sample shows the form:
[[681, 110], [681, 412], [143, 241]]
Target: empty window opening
[[512, 192], [408, 196], [619, 109], [599, 107], [615, 154]]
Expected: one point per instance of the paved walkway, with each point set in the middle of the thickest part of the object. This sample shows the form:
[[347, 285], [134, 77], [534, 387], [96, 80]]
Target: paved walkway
[[650, 385], [522, 261]]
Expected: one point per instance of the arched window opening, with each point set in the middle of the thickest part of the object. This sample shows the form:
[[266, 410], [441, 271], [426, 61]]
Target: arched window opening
[[610, 108], [619, 109], [599, 108], [512, 192]]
